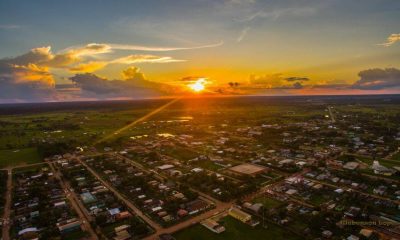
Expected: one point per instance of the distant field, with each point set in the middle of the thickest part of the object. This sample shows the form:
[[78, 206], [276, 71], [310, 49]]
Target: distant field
[[235, 230], [18, 157]]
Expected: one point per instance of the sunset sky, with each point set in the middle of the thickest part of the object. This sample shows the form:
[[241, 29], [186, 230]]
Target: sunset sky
[[70, 50]]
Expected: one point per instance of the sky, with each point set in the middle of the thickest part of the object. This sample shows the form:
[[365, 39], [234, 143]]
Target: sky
[[97, 49]]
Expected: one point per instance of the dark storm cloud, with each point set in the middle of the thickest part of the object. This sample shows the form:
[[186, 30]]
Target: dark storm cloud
[[191, 78], [377, 78], [297, 85], [24, 91], [22, 78], [134, 85], [294, 79]]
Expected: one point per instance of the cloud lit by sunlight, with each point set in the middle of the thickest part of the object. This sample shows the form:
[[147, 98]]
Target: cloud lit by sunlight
[[198, 86]]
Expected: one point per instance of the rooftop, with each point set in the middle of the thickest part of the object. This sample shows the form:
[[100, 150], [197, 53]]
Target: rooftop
[[249, 169]]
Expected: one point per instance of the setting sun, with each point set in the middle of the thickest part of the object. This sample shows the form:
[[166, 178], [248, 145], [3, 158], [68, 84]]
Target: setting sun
[[197, 86]]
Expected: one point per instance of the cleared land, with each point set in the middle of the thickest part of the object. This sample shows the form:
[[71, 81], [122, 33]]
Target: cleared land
[[11, 158], [235, 230]]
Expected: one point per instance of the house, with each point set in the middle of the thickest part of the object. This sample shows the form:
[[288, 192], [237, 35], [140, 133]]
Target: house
[[366, 232], [156, 209], [196, 170], [162, 214], [213, 225], [88, 198], [352, 237], [286, 161], [351, 165], [291, 191], [167, 218], [182, 213], [253, 207], [379, 169], [196, 206], [122, 235], [114, 211], [239, 215], [69, 225], [27, 231], [165, 167], [381, 190], [123, 215], [60, 204], [327, 234], [122, 227], [248, 169]]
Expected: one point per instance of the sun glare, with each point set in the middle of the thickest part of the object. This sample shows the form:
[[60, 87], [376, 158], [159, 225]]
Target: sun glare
[[198, 86]]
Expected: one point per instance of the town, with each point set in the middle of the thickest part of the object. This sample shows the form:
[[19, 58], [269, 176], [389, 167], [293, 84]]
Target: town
[[234, 168]]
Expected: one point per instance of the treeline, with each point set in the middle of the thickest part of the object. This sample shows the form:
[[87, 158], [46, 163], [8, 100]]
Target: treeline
[[48, 149]]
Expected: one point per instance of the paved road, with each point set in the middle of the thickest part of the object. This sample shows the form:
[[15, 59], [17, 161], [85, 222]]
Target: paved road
[[162, 177], [24, 165], [331, 114], [76, 204], [357, 191], [137, 211], [7, 207], [219, 206], [370, 175]]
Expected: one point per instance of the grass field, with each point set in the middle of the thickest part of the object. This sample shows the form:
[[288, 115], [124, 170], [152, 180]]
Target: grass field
[[11, 158], [396, 156], [235, 230], [268, 202]]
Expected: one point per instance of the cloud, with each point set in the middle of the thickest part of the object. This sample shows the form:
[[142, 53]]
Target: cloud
[[88, 67], [297, 85], [293, 79], [9, 26], [392, 39], [92, 83], [135, 84], [75, 58], [278, 13], [29, 76], [159, 49], [240, 2], [191, 78], [132, 59], [74, 55], [133, 73], [91, 49], [243, 34], [30, 82], [44, 57], [377, 78], [276, 81]]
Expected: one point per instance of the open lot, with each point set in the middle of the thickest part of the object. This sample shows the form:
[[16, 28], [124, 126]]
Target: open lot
[[12, 158], [235, 230]]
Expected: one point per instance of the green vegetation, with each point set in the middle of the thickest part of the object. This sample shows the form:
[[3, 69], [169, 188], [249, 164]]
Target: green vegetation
[[208, 165], [74, 235], [180, 153], [318, 199], [396, 156], [19, 157], [267, 202], [235, 230]]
